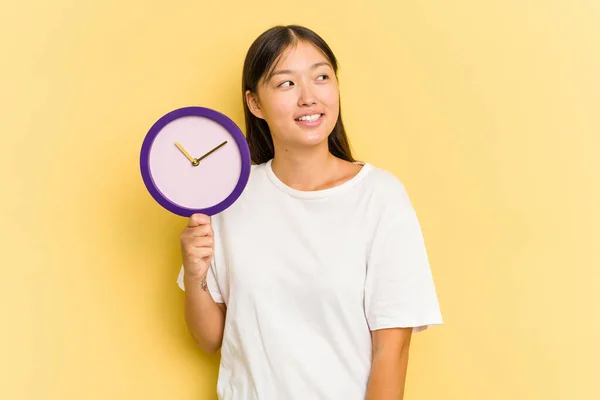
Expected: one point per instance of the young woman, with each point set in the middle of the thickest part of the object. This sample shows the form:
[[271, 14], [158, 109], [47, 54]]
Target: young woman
[[312, 283]]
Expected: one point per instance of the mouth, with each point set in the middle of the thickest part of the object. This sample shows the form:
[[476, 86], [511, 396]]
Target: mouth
[[310, 119]]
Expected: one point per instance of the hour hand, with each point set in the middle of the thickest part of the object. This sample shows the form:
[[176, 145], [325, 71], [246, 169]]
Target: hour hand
[[189, 157]]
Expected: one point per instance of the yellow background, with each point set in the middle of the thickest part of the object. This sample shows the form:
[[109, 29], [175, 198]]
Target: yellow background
[[487, 110]]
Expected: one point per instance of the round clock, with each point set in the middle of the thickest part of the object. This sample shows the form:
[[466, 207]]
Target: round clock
[[195, 160]]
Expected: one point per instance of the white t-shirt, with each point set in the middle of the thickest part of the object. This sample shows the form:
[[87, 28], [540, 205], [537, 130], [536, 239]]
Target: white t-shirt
[[306, 276]]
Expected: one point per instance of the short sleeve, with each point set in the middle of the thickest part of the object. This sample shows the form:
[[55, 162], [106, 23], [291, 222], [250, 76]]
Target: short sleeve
[[399, 287], [211, 282]]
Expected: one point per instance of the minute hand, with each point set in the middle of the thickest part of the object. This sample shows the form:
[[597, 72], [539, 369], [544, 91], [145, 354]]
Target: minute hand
[[210, 152]]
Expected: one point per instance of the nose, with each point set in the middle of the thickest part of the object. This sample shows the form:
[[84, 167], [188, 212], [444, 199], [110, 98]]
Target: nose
[[306, 96]]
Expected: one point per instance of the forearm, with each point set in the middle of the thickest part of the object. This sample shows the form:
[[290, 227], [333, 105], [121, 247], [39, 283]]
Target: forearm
[[204, 318], [388, 375]]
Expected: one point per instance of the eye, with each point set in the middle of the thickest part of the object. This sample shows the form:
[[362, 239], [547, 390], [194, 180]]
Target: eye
[[322, 76], [286, 84]]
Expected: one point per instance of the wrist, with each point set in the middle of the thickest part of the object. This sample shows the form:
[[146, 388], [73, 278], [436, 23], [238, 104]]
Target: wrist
[[195, 281]]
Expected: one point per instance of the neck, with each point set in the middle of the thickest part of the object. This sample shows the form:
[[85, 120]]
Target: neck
[[304, 169]]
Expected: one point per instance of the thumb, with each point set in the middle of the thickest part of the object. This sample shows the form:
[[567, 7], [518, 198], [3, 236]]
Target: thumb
[[197, 220]]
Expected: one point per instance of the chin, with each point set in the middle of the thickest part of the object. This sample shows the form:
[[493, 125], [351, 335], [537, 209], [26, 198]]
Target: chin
[[306, 138], [315, 138]]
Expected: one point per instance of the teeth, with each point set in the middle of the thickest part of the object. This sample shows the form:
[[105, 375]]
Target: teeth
[[310, 118]]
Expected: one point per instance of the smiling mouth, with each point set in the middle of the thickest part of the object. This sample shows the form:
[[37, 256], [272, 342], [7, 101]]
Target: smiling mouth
[[310, 118]]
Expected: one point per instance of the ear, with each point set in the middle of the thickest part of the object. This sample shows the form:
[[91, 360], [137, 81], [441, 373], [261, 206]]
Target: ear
[[254, 105]]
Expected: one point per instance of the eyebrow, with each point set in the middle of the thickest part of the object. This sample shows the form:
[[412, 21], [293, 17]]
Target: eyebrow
[[289, 71]]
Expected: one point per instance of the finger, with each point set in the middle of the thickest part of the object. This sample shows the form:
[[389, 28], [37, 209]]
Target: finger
[[202, 252], [205, 241], [200, 231], [198, 220], [196, 254]]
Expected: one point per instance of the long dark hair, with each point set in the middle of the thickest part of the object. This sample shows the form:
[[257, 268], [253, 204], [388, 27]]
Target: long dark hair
[[259, 62]]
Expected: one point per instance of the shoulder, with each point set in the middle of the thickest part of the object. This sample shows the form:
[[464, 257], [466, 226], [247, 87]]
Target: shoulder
[[256, 181], [386, 187], [257, 169], [393, 213], [250, 196]]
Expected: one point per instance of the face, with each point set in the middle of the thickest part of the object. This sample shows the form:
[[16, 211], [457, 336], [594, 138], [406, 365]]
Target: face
[[300, 101]]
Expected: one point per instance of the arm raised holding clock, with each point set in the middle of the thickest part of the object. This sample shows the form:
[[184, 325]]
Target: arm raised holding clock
[[204, 317]]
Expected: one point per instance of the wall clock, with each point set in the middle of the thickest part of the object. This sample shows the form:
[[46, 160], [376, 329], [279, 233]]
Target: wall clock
[[195, 160]]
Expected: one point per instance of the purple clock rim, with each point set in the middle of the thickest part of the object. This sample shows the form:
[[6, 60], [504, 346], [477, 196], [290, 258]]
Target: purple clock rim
[[224, 121]]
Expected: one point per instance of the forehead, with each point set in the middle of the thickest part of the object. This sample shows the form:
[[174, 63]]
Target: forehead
[[300, 56]]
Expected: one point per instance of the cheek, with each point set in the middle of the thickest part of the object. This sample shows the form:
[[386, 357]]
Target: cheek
[[280, 109], [331, 96]]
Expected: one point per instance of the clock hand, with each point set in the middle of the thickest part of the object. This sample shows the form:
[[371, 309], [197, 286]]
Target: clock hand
[[189, 157], [210, 152]]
